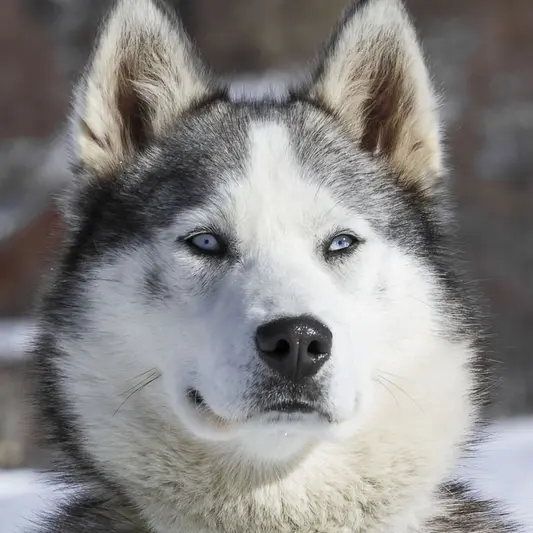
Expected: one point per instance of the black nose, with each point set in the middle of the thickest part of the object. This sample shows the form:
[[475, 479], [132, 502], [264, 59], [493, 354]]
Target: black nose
[[296, 347]]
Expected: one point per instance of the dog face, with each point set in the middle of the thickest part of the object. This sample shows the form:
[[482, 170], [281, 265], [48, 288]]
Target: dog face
[[252, 271]]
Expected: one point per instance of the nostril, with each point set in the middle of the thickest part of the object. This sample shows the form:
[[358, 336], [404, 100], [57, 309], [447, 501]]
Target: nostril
[[282, 348], [316, 348]]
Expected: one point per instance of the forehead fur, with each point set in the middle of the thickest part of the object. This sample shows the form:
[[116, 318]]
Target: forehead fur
[[216, 145]]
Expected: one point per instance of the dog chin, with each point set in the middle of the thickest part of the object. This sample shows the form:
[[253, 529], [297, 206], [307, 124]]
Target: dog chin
[[266, 436], [280, 437]]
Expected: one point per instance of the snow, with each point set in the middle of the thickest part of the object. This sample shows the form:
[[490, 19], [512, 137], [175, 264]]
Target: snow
[[24, 495], [502, 469], [15, 338]]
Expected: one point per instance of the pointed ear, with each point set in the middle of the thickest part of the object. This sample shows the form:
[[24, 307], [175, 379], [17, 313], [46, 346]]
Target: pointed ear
[[142, 75], [373, 77]]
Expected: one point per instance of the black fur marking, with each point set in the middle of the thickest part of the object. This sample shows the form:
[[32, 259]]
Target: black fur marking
[[220, 95], [154, 284], [88, 515], [55, 423], [467, 512]]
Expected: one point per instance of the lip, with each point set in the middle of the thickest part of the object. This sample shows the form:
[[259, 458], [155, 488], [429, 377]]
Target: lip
[[291, 407], [289, 410]]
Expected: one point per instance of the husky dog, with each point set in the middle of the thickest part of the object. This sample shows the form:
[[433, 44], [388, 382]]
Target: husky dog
[[256, 325]]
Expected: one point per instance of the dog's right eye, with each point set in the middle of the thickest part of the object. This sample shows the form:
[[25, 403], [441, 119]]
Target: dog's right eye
[[206, 243]]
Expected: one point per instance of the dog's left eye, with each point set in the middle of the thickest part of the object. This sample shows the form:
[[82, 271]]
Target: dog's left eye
[[341, 242], [206, 243]]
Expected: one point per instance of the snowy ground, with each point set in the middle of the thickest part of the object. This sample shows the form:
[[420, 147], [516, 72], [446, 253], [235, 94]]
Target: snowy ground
[[503, 469]]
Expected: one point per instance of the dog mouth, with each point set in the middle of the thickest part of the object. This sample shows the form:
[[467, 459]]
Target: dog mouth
[[290, 407], [286, 407]]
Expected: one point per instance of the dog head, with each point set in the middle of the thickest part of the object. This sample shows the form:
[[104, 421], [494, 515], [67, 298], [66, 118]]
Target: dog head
[[254, 272]]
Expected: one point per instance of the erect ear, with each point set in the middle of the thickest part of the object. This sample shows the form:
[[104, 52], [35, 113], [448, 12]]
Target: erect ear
[[373, 77], [142, 75]]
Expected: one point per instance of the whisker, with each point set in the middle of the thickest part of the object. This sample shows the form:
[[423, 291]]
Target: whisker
[[152, 372], [137, 388], [381, 372], [396, 386], [141, 374], [388, 390], [99, 278]]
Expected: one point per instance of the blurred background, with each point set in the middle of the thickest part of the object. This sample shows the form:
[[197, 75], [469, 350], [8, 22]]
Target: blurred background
[[480, 53]]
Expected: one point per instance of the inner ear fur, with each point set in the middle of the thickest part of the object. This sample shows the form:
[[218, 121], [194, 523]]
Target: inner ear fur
[[143, 74], [373, 77]]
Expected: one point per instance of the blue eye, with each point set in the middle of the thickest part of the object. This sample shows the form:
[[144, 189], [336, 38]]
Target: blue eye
[[206, 243], [341, 242]]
